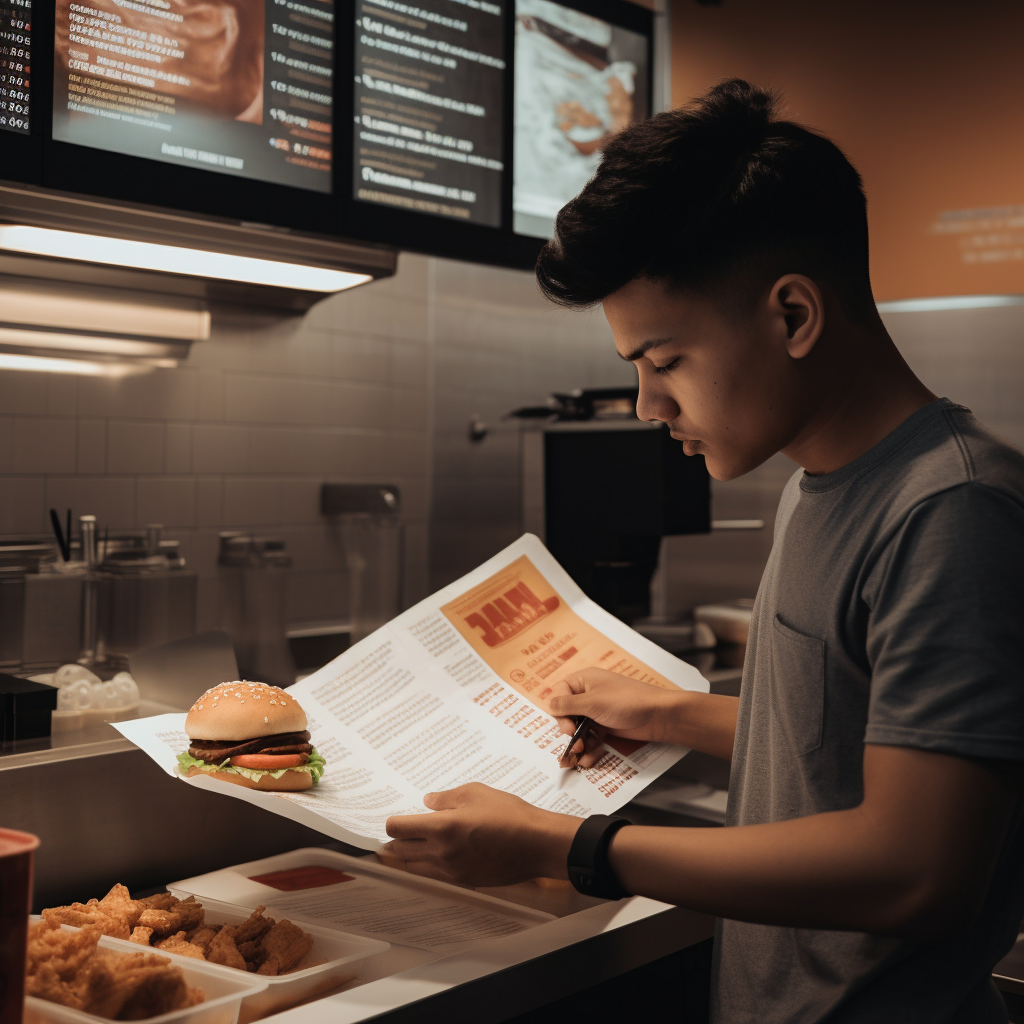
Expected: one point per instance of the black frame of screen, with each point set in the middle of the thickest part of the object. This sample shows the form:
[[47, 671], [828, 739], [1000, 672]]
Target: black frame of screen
[[37, 159]]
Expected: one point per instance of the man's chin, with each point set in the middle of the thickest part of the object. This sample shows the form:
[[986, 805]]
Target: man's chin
[[724, 468]]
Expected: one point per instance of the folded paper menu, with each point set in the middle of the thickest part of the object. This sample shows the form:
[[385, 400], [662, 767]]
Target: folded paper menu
[[455, 690]]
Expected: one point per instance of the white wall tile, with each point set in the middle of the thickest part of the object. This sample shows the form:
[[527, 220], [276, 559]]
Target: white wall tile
[[135, 446], [24, 393], [110, 499], [209, 501], [44, 445], [178, 452], [92, 446], [167, 500], [6, 444], [251, 502], [160, 395], [22, 506], [220, 448]]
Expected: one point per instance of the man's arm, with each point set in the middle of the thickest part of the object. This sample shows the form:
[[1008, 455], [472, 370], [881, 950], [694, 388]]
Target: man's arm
[[913, 859], [639, 711]]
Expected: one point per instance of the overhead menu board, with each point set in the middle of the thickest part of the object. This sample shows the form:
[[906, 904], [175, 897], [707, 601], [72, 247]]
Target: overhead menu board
[[241, 87], [429, 99], [578, 80], [15, 64]]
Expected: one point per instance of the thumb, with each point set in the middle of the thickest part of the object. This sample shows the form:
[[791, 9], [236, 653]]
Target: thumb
[[567, 705]]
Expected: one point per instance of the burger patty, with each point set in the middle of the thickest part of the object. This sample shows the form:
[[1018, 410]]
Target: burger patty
[[215, 751]]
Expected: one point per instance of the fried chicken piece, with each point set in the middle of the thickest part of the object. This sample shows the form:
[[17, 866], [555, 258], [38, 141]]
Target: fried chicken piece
[[224, 951], [141, 935], [254, 928], [285, 945], [135, 986], [177, 943], [253, 954], [159, 901], [183, 916], [62, 954], [202, 937], [68, 968], [115, 915]]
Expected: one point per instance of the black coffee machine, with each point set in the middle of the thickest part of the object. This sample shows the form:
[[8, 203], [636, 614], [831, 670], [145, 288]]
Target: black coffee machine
[[601, 488]]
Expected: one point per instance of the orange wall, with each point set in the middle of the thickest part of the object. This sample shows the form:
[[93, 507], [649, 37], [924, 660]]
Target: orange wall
[[927, 100]]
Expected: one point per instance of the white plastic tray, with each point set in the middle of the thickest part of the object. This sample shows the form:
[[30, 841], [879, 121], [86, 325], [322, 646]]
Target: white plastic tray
[[335, 959], [236, 885], [224, 989]]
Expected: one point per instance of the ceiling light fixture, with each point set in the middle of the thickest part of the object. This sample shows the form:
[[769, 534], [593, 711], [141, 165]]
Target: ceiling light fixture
[[174, 259], [83, 367], [948, 302]]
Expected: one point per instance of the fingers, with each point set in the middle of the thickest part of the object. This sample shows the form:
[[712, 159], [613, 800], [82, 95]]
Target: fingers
[[568, 704], [428, 869], [402, 850], [449, 799], [585, 752], [409, 826]]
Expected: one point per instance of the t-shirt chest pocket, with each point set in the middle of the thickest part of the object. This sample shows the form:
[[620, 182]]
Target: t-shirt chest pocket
[[798, 687]]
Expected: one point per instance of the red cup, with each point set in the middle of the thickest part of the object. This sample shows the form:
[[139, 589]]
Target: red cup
[[16, 849]]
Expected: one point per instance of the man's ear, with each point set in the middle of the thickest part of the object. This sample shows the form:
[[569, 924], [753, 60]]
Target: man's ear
[[797, 301]]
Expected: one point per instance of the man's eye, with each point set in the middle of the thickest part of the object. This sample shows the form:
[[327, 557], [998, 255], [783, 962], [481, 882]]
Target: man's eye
[[667, 367]]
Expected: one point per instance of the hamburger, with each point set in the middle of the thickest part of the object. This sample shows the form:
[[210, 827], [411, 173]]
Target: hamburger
[[252, 735]]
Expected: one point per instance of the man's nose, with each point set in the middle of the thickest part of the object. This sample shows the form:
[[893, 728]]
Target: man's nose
[[653, 404]]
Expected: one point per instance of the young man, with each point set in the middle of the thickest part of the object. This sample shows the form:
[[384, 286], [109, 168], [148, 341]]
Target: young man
[[872, 870]]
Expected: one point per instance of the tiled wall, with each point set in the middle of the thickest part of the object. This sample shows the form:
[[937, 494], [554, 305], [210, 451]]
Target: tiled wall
[[379, 385], [241, 436]]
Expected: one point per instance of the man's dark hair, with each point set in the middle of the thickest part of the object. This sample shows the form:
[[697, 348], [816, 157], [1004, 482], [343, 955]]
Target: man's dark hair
[[717, 193]]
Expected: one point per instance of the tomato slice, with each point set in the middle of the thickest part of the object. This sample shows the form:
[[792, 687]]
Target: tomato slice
[[269, 762]]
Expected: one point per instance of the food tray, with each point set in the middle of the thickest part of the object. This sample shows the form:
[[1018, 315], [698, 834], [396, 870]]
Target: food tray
[[224, 987], [336, 958]]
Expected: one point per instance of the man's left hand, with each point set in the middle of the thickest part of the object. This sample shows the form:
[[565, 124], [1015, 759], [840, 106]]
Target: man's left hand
[[480, 836]]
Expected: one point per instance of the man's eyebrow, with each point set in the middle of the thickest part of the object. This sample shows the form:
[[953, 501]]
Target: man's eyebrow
[[646, 347]]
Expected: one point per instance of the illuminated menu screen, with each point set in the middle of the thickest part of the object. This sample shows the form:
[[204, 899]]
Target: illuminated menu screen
[[578, 81], [241, 87], [429, 99], [15, 64]]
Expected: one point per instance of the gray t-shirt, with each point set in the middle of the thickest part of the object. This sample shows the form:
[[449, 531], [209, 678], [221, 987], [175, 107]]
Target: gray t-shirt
[[891, 611]]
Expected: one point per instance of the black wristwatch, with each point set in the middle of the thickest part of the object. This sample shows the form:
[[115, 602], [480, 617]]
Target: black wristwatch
[[590, 871]]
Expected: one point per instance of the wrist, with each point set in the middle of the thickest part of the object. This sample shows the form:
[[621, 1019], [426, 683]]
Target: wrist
[[673, 711], [554, 838]]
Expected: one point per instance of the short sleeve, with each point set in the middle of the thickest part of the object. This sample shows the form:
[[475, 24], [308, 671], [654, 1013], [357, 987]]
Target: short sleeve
[[945, 637]]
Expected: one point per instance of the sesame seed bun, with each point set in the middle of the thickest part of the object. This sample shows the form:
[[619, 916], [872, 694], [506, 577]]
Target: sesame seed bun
[[291, 780], [244, 711]]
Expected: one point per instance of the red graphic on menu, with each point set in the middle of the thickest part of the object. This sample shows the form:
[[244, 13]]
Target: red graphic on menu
[[504, 618]]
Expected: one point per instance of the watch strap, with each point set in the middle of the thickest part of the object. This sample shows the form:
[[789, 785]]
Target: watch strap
[[590, 870]]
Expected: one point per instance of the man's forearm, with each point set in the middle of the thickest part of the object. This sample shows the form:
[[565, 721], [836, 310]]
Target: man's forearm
[[702, 721], [912, 860]]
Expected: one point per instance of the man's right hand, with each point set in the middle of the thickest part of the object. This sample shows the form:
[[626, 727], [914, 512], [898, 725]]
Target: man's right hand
[[620, 706]]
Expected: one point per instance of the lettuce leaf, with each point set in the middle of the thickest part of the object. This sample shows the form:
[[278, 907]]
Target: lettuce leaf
[[314, 767]]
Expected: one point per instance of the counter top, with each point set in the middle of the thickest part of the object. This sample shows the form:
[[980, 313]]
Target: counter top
[[502, 978]]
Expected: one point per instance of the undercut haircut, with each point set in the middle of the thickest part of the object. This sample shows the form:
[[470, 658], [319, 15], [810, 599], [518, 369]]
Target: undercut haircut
[[717, 197]]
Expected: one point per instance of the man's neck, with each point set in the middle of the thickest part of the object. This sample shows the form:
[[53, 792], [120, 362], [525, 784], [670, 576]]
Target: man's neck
[[863, 391]]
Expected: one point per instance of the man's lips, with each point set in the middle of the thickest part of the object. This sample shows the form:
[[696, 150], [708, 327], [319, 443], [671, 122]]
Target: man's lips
[[691, 446]]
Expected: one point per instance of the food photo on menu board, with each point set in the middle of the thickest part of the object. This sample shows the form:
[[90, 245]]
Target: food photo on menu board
[[578, 81], [241, 87]]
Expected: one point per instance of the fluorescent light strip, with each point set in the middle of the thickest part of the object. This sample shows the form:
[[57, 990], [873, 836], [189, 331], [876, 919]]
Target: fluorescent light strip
[[173, 259], [946, 302], [82, 367], [97, 344]]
